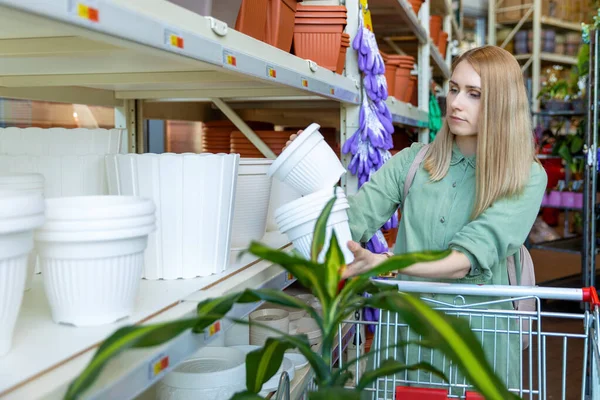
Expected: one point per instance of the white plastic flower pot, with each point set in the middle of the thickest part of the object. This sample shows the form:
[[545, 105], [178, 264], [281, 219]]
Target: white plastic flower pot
[[317, 199], [280, 194], [92, 266], [308, 164], [253, 193], [14, 184], [194, 196], [19, 216], [214, 373], [301, 234]]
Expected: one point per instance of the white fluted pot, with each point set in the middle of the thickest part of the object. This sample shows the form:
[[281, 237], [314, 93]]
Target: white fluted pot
[[194, 195], [19, 216], [91, 252]]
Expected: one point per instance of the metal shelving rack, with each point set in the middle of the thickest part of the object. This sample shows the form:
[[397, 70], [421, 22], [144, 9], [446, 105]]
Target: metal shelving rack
[[119, 53], [532, 18]]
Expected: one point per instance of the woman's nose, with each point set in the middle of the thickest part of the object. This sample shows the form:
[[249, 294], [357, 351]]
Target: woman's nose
[[456, 102]]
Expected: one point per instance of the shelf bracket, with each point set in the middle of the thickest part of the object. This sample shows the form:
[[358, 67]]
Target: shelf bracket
[[243, 127]]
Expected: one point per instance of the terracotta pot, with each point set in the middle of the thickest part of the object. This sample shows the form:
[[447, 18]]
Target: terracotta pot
[[414, 100], [390, 77], [252, 18], [313, 14], [341, 60], [302, 7], [443, 43], [319, 43], [435, 26], [401, 85], [416, 5], [280, 23], [409, 89], [321, 21]]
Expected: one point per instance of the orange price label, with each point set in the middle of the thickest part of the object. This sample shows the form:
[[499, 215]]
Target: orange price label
[[158, 365], [212, 330], [230, 59], [87, 12]]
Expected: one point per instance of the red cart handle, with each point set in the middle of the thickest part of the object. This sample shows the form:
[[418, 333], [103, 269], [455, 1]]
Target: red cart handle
[[591, 296]]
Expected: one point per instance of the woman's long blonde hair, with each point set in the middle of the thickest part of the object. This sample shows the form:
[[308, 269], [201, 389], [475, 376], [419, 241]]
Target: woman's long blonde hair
[[505, 147]]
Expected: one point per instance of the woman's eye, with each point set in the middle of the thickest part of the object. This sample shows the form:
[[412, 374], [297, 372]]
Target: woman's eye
[[453, 90], [475, 95]]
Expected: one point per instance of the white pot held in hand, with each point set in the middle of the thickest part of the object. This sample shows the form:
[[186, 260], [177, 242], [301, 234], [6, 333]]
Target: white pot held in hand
[[91, 253], [19, 216], [308, 164], [299, 218]]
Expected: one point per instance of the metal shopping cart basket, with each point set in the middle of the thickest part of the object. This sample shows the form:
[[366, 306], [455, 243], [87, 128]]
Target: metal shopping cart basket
[[539, 355]]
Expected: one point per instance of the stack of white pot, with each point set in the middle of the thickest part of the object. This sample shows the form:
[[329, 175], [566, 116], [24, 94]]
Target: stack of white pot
[[312, 168], [91, 251], [20, 214], [19, 185]]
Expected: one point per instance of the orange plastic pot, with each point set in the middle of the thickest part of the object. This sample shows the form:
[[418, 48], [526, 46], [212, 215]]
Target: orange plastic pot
[[280, 23], [252, 19], [443, 43], [435, 26], [414, 99], [302, 7], [319, 42]]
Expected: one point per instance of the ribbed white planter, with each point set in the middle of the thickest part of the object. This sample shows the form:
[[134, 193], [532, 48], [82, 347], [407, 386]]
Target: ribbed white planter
[[91, 252], [19, 184], [194, 195], [280, 194], [252, 202], [60, 141], [308, 164], [19, 216]]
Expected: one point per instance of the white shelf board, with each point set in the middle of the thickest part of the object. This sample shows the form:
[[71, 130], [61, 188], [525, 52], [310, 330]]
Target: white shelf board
[[550, 57], [407, 114], [46, 356], [439, 61], [127, 53]]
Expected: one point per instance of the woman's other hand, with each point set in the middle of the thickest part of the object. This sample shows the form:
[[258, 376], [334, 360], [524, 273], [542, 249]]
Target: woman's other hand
[[292, 138], [364, 260]]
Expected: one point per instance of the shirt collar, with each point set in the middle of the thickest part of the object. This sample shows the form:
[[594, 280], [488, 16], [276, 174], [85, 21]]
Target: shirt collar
[[457, 156]]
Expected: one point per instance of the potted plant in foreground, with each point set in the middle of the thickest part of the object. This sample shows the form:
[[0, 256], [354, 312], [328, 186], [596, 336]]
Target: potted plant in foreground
[[450, 335]]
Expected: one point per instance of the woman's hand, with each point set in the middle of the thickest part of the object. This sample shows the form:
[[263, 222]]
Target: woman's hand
[[364, 260], [292, 138]]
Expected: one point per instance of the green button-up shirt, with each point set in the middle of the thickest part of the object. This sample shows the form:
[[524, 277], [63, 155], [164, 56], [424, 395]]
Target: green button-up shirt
[[437, 215]]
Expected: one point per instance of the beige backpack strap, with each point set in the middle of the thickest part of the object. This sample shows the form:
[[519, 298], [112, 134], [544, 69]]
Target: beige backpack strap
[[410, 177]]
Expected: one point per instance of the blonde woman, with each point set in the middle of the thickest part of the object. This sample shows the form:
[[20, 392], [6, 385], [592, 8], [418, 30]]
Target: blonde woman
[[477, 193]]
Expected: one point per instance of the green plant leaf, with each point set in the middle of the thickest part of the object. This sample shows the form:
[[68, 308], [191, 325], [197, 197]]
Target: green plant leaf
[[336, 393], [576, 144], [300, 342], [321, 230], [123, 339], [332, 268], [303, 270], [262, 364], [247, 395], [564, 152], [391, 367], [451, 335]]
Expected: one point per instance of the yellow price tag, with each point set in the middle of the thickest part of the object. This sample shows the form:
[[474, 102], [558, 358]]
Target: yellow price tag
[[366, 14]]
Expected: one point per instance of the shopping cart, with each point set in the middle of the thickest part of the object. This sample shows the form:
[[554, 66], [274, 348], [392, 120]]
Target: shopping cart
[[559, 360]]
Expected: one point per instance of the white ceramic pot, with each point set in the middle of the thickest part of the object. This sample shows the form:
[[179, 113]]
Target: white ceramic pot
[[301, 233], [60, 141], [91, 275], [194, 196], [214, 373], [14, 184], [19, 216], [253, 192], [280, 194], [67, 175], [308, 164]]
